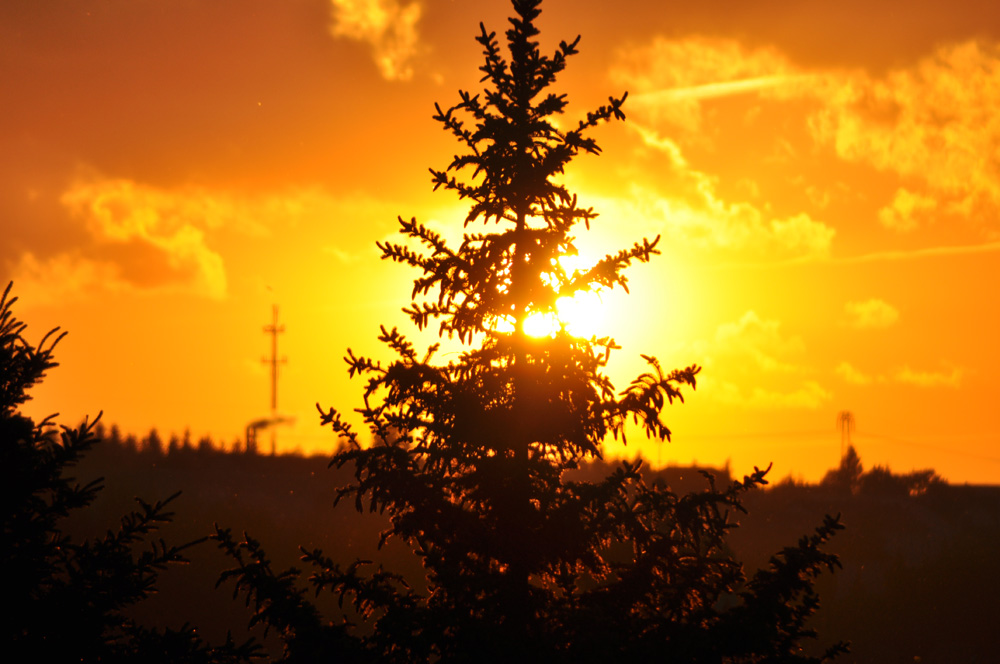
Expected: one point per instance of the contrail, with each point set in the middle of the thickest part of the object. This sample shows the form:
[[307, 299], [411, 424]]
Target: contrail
[[713, 90], [875, 257]]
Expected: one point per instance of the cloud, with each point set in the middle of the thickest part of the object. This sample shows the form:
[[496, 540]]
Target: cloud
[[852, 375], [760, 340], [669, 77], [696, 217], [653, 139], [910, 376], [885, 256], [901, 214], [152, 238], [670, 81], [927, 252], [750, 363], [904, 375], [933, 123], [870, 314], [802, 234], [810, 395], [62, 278], [341, 255], [389, 27], [123, 235]]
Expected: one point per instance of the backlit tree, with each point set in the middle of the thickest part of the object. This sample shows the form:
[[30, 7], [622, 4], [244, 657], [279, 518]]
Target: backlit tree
[[70, 600], [472, 457]]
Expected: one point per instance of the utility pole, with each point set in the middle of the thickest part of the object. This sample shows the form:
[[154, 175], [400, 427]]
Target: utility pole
[[274, 330]]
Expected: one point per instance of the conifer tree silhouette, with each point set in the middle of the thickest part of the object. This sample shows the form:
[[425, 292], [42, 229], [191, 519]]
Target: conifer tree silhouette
[[470, 456], [68, 600]]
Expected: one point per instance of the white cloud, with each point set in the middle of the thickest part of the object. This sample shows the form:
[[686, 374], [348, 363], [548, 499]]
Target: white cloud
[[389, 27], [871, 313]]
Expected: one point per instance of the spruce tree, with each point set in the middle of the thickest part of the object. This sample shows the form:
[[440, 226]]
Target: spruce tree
[[71, 599], [472, 457]]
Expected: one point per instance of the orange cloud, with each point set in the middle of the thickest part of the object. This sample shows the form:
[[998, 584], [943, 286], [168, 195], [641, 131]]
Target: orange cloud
[[760, 340], [952, 378], [697, 217], [902, 215], [669, 78], [168, 229], [872, 313], [63, 278], [389, 27], [149, 238], [750, 363], [810, 395], [904, 375], [935, 123], [852, 375]]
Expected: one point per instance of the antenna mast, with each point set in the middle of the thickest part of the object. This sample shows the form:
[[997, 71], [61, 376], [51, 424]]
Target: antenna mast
[[845, 420], [274, 330]]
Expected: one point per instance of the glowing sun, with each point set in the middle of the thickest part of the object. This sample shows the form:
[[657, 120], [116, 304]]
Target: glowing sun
[[581, 315]]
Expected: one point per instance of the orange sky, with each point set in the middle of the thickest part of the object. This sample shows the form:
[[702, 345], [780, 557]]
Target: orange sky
[[824, 176]]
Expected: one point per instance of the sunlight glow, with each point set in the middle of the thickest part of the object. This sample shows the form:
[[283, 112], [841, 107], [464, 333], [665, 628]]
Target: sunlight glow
[[541, 325], [581, 315]]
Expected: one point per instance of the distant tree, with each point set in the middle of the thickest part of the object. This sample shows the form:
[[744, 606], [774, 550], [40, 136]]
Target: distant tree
[[471, 455], [69, 600], [205, 445], [152, 443], [847, 475], [919, 482], [880, 480]]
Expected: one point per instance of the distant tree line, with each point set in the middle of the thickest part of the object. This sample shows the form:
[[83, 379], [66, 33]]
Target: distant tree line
[[153, 443], [850, 477]]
